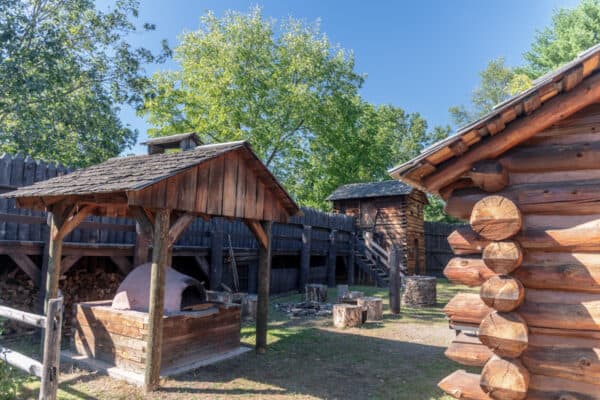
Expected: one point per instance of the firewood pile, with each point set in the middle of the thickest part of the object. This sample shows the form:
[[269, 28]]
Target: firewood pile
[[305, 309], [85, 282]]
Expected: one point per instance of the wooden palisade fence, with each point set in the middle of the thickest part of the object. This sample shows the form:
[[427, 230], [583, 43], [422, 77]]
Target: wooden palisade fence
[[48, 369]]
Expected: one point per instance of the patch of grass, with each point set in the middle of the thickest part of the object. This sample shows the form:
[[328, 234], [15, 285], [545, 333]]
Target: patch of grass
[[401, 357]]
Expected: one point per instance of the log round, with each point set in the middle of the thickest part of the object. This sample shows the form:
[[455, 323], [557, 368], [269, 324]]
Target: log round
[[502, 292], [373, 307], [503, 257], [419, 291], [341, 291], [463, 385], [467, 271], [496, 218], [506, 334], [249, 303], [505, 379], [316, 292], [489, 175], [347, 315]]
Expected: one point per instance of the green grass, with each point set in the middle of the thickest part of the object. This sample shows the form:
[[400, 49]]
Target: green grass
[[398, 358]]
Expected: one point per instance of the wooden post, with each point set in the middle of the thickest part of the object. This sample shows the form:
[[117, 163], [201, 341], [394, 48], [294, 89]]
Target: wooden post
[[253, 277], [351, 259], [45, 232], [55, 241], [157, 299], [305, 258], [51, 358], [264, 271], [395, 280], [142, 246], [331, 259], [216, 253]]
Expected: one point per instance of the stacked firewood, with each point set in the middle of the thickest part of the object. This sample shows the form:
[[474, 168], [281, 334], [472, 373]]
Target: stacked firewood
[[535, 323], [87, 281]]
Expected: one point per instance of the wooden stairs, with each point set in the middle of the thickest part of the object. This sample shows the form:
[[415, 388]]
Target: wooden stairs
[[372, 259]]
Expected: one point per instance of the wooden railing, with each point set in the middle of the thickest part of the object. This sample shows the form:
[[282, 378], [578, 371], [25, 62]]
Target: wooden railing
[[375, 252], [48, 369]]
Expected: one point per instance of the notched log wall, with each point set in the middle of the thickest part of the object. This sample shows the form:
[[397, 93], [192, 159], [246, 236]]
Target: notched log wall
[[534, 250]]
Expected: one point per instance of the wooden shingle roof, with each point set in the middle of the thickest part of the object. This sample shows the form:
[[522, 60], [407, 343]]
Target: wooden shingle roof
[[445, 161], [370, 189], [134, 173]]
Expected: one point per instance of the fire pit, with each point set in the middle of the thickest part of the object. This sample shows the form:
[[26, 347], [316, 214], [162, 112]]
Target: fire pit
[[195, 331]]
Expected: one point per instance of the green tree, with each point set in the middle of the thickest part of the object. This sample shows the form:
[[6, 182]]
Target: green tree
[[291, 93], [497, 83], [570, 32], [64, 69]]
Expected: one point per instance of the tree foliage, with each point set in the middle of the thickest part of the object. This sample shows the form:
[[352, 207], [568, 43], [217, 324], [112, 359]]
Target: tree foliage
[[570, 32], [64, 68], [289, 91]]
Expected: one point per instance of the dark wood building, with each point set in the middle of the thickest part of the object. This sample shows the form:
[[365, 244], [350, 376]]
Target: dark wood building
[[392, 212]]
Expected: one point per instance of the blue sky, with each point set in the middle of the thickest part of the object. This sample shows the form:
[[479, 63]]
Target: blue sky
[[423, 56]]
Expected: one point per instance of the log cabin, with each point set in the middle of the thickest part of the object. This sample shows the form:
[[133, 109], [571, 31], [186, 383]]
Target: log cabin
[[392, 212], [526, 177]]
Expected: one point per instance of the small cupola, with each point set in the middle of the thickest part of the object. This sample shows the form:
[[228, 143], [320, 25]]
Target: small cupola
[[182, 141]]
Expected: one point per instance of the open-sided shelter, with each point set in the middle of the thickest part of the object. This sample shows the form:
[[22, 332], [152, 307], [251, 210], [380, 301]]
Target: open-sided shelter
[[165, 192], [527, 177], [392, 212]]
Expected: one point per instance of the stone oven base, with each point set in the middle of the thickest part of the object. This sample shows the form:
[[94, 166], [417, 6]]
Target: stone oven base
[[117, 338]]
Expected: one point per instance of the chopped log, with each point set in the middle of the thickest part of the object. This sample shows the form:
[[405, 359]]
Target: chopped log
[[502, 292], [467, 271], [373, 307], [557, 356], [347, 315], [463, 385], [561, 271], [505, 379], [466, 308], [539, 198], [496, 218], [552, 388], [489, 175], [352, 297], [464, 241], [503, 257], [467, 349], [504, 333], [315, 292]]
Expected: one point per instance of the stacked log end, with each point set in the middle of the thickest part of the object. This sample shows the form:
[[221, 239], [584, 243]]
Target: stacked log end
[[503, 333], [536, 320]]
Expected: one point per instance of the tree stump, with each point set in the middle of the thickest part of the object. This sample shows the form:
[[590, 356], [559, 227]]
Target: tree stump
[[341, 291], [347, 315], [351, 297], [373, 307], [419, 291], [316, 292], [249, 307]]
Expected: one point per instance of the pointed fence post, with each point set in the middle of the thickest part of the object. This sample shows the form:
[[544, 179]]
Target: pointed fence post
[[305, 258]]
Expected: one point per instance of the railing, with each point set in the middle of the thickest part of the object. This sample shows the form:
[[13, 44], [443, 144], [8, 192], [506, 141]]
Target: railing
[[375, 252], [48, 369]]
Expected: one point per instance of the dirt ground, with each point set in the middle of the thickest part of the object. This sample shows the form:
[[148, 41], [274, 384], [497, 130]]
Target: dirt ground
[[399, 358]]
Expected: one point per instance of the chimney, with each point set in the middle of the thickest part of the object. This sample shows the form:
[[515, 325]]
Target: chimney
[[182, 141]]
